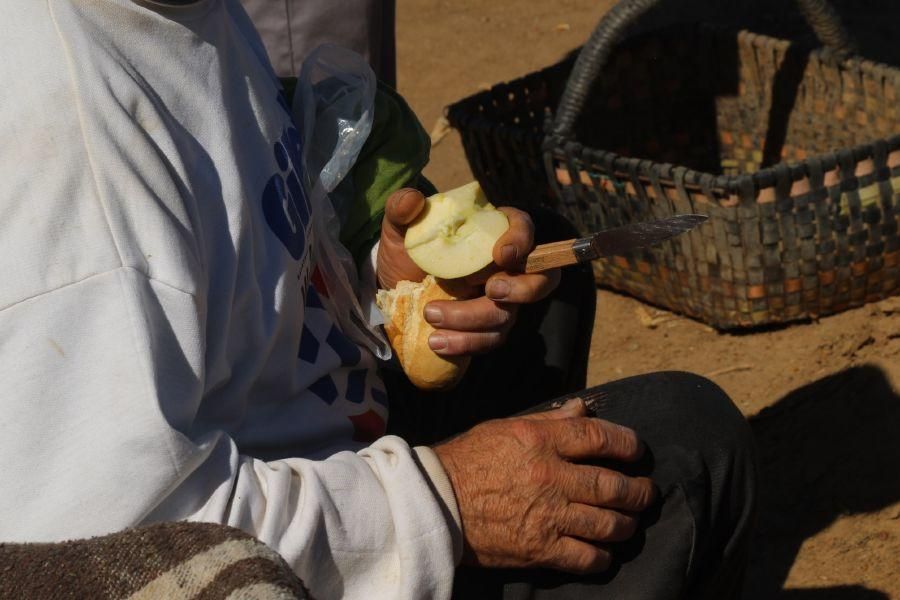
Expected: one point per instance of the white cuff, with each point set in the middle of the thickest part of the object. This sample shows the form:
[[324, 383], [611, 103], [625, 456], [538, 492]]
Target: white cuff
[[443, 489], [368, 287]]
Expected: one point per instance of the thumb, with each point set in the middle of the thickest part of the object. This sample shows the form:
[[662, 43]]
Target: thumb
[[402, 207], [394, 264], [574, 407]]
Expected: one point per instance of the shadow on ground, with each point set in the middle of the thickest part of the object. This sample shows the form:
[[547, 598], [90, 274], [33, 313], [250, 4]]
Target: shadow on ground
[[825, 450]]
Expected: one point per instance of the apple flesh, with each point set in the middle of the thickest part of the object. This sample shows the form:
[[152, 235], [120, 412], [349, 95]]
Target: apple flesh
[[454, 236]]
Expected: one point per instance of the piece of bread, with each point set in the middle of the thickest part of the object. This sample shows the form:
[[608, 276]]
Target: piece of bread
[[408, 331]]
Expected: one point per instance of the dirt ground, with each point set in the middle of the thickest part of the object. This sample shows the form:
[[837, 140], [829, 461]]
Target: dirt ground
[[821, 397]]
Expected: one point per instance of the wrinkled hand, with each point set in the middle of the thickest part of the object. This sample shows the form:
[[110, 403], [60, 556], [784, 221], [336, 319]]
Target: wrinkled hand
[[524, 503], [482, 323]]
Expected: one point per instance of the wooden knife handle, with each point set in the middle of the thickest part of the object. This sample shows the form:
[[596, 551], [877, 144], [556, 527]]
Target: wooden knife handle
[[551, 256]]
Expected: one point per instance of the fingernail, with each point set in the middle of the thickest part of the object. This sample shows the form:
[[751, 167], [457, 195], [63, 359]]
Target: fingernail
[[433, 315], [497, 289], [573, 404], [437, 342], [509, 253], [408, 193], [398, 200]]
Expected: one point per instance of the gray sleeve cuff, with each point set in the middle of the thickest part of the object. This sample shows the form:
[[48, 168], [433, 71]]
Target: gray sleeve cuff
[[443, 489]]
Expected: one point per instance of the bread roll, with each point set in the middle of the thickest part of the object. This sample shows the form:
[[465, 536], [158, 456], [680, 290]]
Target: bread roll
[[408, 332]]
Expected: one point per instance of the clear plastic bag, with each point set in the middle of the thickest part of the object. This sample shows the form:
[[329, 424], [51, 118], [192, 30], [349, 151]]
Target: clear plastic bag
[[333, 107]]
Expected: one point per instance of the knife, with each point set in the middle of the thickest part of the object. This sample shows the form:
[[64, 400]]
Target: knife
[[608, 242]]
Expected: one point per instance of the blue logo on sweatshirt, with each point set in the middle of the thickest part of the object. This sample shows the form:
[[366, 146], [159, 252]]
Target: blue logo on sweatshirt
[[285, 202]]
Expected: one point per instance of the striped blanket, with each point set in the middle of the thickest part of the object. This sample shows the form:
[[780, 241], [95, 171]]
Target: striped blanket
[[169, 560]]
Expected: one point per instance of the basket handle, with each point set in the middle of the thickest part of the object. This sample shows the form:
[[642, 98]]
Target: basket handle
[[819, 14]]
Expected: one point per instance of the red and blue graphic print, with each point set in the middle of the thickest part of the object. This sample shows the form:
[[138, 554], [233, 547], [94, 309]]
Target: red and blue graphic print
[[348, 375]]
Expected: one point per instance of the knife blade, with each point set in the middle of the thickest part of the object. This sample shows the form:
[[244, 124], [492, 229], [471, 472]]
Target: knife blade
[[609, 242]]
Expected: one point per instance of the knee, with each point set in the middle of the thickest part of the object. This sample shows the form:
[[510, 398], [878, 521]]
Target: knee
[[689, 408], [695, 395], [702, 407]]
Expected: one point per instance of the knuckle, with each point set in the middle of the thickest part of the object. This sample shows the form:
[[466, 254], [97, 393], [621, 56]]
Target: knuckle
[[569, 522], [646, 493], [621, 441], [583, 559], [515, 214], [605, 526], [465, 344], [542, 473], [618, 527], [598, 435], [613, 487], [456, 343], [599, 489], [487, 341], [620, 487], [519, 232], [527, 289], [472, 343], [602, 526], [528, 432], [529, 224], [549, 557], [474, 316], [630, 442], [591, 559], [500, 317], [523, 221]]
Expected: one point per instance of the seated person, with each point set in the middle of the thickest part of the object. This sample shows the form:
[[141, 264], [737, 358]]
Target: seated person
[[292, 29], [170, 351]]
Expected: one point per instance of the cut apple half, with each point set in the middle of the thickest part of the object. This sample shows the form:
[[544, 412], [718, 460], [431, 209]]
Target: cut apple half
[[454, 236]]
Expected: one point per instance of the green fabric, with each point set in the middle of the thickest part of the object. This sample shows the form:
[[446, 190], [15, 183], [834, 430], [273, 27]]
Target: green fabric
[[393, 157]]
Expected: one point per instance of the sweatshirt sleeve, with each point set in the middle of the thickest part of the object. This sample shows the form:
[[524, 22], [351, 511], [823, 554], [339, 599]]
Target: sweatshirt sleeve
[[366, 525], [98, 430], [151, 310]]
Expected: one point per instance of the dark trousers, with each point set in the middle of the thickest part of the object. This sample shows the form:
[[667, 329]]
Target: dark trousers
[[693, 543]]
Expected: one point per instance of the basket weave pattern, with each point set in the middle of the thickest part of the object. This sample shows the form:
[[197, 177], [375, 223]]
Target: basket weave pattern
[[790, 153]]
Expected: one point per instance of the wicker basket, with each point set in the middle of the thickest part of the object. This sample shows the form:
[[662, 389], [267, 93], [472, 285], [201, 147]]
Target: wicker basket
[[790, 152]]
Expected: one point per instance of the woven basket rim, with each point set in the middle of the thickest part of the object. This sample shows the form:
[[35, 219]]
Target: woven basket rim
[[459, 116], [779, 248], [755, 38], [722, 184], [455, 112]]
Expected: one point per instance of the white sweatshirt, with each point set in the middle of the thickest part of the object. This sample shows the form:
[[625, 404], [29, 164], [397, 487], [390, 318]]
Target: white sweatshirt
[[166, 348]]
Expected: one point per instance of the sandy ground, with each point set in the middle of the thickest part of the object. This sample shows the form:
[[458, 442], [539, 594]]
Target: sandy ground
[[821, 397]]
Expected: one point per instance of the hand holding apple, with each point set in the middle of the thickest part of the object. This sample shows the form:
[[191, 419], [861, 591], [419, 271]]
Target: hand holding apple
[[480, 324], [454, 235]]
